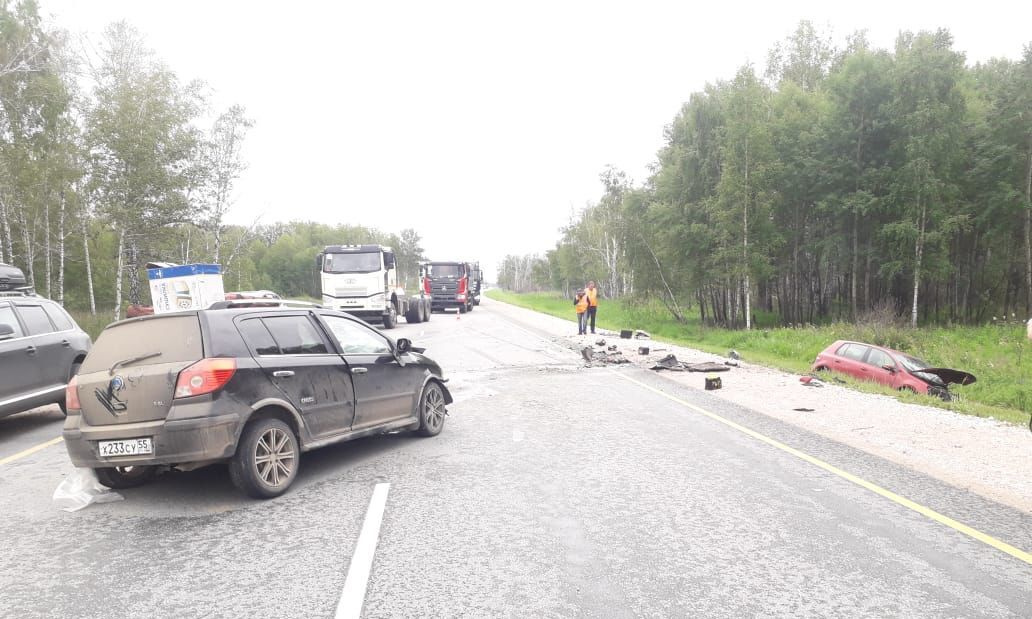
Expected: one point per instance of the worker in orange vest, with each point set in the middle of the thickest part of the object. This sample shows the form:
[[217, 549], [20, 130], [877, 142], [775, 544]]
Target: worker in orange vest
[[580, 304], [592, 294]]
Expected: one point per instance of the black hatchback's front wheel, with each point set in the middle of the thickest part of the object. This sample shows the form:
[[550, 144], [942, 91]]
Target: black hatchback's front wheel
[[266, 460], [432, 410]]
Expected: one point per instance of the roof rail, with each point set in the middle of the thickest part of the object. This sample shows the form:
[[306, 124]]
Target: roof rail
[[26, 291], [263, 303]]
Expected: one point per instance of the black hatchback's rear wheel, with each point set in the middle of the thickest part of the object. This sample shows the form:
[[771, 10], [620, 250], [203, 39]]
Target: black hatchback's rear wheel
[[266, 460], [120, 477], [432, 410]]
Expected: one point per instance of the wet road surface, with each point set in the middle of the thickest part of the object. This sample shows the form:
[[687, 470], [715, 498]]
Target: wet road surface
[[554, 491]]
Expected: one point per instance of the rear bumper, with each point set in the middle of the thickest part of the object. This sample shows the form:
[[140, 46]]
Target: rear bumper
[[177, 441]]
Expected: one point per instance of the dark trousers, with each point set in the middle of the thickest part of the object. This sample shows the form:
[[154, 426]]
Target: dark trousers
[[582, 323], [591, 316]]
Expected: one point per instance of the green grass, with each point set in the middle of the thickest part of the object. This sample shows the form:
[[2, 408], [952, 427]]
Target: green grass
[[999, 355]]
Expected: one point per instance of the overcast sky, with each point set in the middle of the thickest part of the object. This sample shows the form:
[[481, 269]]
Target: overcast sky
[[482, 125]]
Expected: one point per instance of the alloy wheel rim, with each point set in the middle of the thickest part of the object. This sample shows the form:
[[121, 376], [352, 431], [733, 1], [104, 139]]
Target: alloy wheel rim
[[435, 410], [274, 457]]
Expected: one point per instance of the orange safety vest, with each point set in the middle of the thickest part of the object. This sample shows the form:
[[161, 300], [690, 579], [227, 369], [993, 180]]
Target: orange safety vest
[[592, 294], [582, 304]]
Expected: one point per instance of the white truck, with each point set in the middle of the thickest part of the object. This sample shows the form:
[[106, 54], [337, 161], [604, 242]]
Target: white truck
[[363, 280]]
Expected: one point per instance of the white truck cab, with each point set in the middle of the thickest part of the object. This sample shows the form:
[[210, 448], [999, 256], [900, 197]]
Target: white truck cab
[[363, 280]]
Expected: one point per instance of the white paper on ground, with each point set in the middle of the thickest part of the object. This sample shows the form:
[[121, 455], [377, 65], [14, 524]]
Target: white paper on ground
[[81, 488]]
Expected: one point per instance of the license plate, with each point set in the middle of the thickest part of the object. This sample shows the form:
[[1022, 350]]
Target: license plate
[[128, 447]]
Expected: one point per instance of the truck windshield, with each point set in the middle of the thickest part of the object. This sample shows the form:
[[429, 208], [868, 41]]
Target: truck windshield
[[445, 270], [364, 262]]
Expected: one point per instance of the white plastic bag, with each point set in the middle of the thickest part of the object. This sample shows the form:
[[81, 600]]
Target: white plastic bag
[[81, 488]]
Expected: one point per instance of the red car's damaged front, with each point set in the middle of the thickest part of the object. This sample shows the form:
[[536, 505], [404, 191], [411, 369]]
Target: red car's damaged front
[[889, 367]]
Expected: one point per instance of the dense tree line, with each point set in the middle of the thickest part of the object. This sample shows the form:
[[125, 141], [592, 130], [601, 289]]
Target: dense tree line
[[106, 163], [838, 181]]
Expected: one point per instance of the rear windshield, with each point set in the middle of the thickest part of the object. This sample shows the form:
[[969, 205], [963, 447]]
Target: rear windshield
[[445, 270], [177, 338]]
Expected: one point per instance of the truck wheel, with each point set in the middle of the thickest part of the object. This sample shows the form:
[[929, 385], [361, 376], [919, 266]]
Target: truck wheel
[[470, 307], [413, 314], [390, 319], [427, 312], [462, 309]]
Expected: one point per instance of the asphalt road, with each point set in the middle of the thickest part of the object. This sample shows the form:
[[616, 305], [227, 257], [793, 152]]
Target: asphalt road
[[554, 491]]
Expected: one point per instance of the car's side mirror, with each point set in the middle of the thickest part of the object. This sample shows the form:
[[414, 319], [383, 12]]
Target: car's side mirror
[[6, 331], [889, 367], [404, 345]]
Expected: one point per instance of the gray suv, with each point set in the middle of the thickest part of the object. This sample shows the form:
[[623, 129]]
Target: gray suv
[[41, 348]]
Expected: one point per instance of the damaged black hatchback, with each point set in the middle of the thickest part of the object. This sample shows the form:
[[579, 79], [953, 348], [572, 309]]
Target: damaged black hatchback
[[251, 384]]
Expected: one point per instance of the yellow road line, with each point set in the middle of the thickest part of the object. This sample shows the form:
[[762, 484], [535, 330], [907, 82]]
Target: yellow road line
[[892, 496], [30, 450]]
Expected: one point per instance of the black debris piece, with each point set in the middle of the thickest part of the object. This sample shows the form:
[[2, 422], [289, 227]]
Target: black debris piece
[[733, 354], [587, 353], [643, 350], [712, 382], [708, 366], [626, 334], [600, 342], [641, 335], [611, 348], [668, 362], [804, 410]]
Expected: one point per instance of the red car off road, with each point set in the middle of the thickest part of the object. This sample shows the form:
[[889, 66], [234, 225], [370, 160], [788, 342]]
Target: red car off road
[[889, 367]]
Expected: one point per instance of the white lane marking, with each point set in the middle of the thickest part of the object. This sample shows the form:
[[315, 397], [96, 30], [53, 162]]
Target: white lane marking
[[517, 435], [353, 595]]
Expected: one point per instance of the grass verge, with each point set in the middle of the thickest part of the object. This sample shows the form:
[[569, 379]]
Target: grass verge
[[999, 355]]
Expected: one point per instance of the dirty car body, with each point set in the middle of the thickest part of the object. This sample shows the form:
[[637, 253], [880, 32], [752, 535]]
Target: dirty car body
[[190, 388], [889, 367]]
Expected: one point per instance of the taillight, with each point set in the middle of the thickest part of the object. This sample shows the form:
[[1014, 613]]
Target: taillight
[[72, 395], [205, 376], [426, 285], [462, 286]]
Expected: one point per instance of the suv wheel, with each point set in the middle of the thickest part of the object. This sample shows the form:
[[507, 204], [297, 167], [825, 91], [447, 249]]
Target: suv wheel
[[266, 460], [390, 319], [431, 410], [121, 477]]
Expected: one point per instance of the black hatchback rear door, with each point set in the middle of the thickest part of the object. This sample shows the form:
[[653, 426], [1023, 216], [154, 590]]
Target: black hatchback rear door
[[297, 359]]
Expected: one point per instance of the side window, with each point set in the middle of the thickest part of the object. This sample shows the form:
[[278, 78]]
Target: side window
[[58, 317], [356, 339], [258, 338], [879, 358], [7, 317], [295, 335], [36, 321], [852, 351]]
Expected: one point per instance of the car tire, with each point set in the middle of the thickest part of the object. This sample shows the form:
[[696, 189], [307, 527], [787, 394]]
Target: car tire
[[71, 373], [271, 442], [432, 410], [390, 319], [122, 477]]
